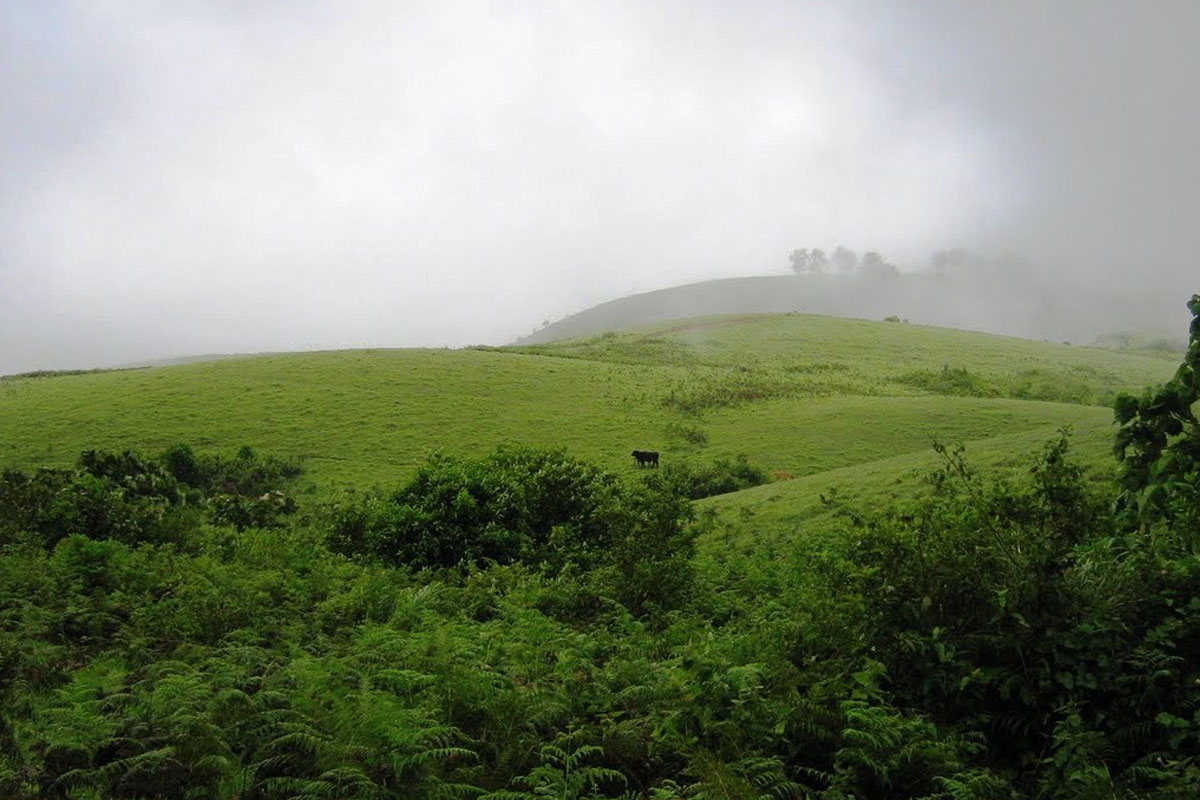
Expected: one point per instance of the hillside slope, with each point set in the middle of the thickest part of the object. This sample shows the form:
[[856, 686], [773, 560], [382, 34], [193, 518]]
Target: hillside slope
[[1011, 305], [798, 394]]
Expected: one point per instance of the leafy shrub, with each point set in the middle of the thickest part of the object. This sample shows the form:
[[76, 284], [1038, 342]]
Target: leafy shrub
[[1019, 614], [53, 504], [136, 476], [247, 473], [721, 476], [128, 498], [538, 507], [1158, 445], [510, 506], [265, 511]]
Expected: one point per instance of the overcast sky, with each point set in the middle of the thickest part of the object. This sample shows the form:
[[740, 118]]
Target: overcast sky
[[224, 176]]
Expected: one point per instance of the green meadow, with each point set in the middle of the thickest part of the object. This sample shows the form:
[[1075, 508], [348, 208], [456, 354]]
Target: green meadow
[[797, 394]]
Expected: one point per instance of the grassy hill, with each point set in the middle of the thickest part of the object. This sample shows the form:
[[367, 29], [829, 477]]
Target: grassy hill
[[796, 393], [1024, 304]]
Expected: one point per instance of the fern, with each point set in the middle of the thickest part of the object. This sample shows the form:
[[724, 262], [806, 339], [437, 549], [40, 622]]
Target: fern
[[563, 773]]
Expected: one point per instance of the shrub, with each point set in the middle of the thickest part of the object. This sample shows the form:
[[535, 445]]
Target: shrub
[[504, 508], [53, 504], [1019, 614], [247, 473], [265, 511], [538, 507], [721, 476], [136, 476], [128, 498]]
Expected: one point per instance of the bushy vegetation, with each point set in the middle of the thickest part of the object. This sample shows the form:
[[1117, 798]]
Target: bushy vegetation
[[539, 508], [1030, 636], [246, 473], [984, 640], [698, 480], [1058, 386], [131, 499]]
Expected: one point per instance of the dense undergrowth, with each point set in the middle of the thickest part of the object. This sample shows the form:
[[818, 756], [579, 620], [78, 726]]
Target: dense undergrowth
[[529, 626]]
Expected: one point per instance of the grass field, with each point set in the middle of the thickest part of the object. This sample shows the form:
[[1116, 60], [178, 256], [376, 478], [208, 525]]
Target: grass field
[[821, 398], [769, 516]]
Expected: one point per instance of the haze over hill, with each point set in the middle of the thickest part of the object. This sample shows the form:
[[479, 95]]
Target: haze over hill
[[1081, 315], [187, 178]]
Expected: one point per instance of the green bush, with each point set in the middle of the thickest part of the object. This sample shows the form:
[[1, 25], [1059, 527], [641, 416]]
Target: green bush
[[1022, 615], [538, 507], [721, 476], [131, 499], [518, 504], [53, 504], [247, 473]]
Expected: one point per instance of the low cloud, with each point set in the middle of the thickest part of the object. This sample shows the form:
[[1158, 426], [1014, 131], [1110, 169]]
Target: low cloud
[[238, 177]]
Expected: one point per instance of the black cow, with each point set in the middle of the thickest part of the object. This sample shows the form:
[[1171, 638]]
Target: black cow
[[646, 457]]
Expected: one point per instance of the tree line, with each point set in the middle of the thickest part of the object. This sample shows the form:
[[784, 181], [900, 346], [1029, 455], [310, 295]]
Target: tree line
[[843, 260]]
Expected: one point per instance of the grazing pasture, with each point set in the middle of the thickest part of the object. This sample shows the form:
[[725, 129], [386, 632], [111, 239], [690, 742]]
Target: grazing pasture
[[796, 393]]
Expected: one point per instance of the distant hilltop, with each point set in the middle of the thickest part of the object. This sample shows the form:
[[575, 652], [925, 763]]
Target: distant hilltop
[[1000, 306]]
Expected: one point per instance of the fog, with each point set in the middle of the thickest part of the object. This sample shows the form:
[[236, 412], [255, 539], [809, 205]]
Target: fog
[[180, 178]]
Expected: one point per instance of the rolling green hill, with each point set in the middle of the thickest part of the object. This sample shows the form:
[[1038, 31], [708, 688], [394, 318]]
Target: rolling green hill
[[798, 394]]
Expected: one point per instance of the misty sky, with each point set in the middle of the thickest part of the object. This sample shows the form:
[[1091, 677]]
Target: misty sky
[[224, 176]]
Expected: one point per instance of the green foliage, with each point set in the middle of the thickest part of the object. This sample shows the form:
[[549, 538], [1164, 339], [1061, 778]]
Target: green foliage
[[1158, 445], [135, 476], [265, 511], [951, 380], [537, 507], [54, 504], [720, 476], [125, 497], [708, 391], [1016, 613], [563, 773], [519, 504], [247, 474]]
